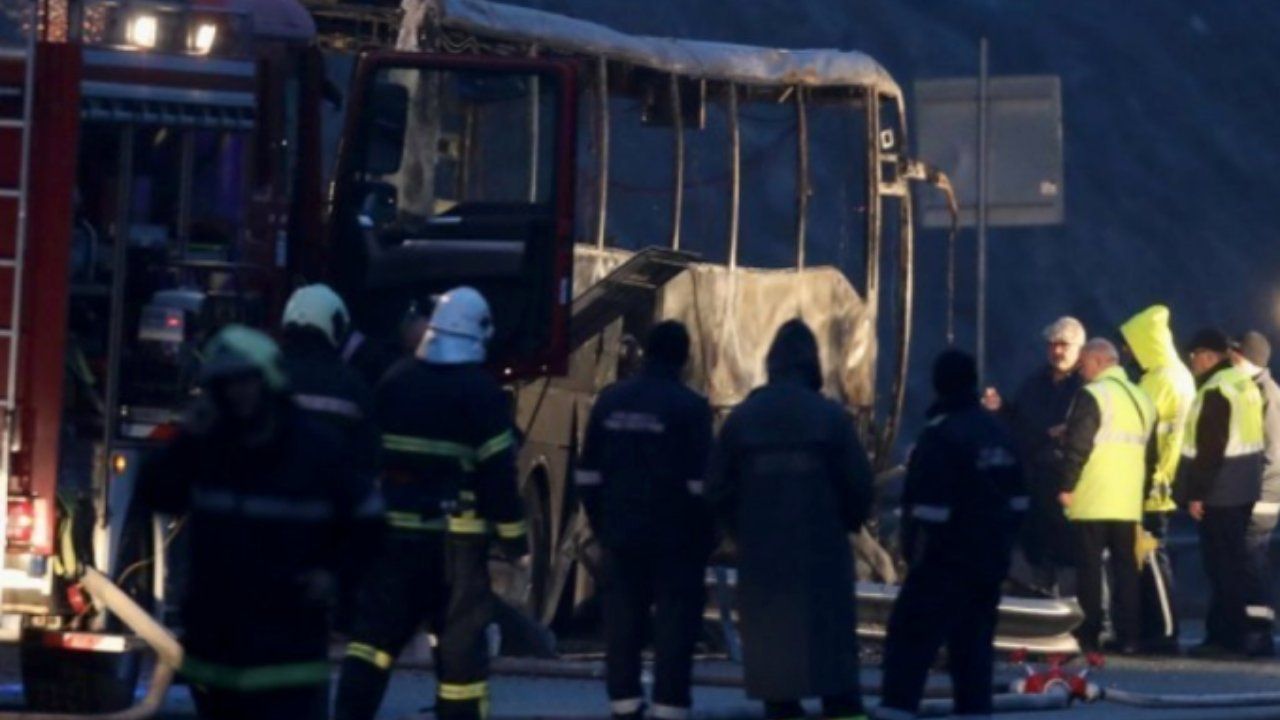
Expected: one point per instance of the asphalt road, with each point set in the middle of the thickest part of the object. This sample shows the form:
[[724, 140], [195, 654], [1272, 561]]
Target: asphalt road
[[411, 692]]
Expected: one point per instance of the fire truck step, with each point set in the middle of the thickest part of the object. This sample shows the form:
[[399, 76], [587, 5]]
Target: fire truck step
[[11, 124]]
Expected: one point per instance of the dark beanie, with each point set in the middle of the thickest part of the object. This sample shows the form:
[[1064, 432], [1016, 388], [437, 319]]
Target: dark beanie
[[1211, 339], [1255, 348], [668, 345], [955, 374]]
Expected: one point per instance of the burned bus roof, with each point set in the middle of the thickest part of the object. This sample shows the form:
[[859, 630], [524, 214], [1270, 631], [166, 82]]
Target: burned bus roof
[[692, 58]]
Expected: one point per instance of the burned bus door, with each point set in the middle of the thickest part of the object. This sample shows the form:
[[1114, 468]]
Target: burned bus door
[[460, 170]]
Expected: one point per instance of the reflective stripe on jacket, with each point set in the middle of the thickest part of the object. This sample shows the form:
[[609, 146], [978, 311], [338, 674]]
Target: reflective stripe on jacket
[[1222, 452], [1112, 481], [1245, 436]]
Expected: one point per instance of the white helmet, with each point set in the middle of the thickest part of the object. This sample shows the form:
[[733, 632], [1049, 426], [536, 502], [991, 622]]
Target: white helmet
[[319, 307], [460, 327]]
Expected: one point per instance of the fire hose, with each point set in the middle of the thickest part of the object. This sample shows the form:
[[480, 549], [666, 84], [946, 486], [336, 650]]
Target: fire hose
[[168, 653]]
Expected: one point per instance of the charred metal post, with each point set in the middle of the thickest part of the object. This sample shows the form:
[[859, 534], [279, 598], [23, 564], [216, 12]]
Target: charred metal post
[[802, 175], [535, 128], [677, 196], [874, 221], [735, 175], [602, 179]]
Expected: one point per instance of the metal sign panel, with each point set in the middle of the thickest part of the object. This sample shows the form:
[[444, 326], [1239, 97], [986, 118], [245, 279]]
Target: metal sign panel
[[1024, 141]]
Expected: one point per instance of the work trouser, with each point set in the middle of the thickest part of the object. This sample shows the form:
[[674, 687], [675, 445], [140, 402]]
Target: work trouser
[[1117, 539], [1159, 616], [665, 593], [310, 702], [422, 577], [1260, 607], [944, 602], [1227, 565]]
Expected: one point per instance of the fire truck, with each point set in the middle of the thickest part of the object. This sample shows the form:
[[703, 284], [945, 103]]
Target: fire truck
[[158, 178], [161, 169]]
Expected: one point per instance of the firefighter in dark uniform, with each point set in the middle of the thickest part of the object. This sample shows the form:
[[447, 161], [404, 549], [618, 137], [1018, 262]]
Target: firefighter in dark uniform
[[316, 324], [641, 481], [962, 504], [272, 506], [449, 478]]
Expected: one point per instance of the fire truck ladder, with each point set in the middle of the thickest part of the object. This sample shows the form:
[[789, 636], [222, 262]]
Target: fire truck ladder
[[10, 327]]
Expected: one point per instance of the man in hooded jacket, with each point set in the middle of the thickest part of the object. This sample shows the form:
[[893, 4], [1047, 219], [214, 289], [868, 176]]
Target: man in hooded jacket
[[1172, 390], [791, 482], [273, 510], [962, 502]]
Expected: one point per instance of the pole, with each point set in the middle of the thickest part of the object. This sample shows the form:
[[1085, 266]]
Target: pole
[[981, 350], [677, 194], [735, 176], [602, 179]]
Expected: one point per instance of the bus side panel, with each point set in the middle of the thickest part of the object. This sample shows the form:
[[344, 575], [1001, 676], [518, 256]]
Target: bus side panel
[[56, 127]]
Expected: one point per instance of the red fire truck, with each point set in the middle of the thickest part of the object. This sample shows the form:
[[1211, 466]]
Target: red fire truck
[[160, 176]]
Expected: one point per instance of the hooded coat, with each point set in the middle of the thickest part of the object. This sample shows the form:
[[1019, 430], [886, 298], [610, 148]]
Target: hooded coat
[[791, 482], [1172, 390]]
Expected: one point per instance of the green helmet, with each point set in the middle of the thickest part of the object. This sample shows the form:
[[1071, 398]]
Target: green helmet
[[237, 349]]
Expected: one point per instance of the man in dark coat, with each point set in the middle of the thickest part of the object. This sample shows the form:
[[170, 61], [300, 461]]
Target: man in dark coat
[[961, 506], [1251, 354], [273, 512], [1034, 413], [641, 480], [791, 482]]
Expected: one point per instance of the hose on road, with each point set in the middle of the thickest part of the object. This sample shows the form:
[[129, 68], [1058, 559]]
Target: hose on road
[[1173, 702], [1004, 703], [168, 653]]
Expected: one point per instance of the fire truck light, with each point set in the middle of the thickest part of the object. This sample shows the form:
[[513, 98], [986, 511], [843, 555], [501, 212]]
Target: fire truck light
[[144, 31], [21, 522], [203, 38], [119, 464]]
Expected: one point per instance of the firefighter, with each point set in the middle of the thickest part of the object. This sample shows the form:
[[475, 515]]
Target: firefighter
[[791, 483], [1172, 390], [272, 507], [1219, 480], [1108, 451], [1250, 354], [641, 481], [962, 503], [449, 478], [316, 324]]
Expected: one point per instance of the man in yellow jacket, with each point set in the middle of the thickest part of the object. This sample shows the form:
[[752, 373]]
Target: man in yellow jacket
[[1108, 449], [1172, 390]]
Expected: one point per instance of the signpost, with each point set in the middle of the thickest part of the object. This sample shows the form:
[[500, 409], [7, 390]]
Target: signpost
[[999, 139]]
